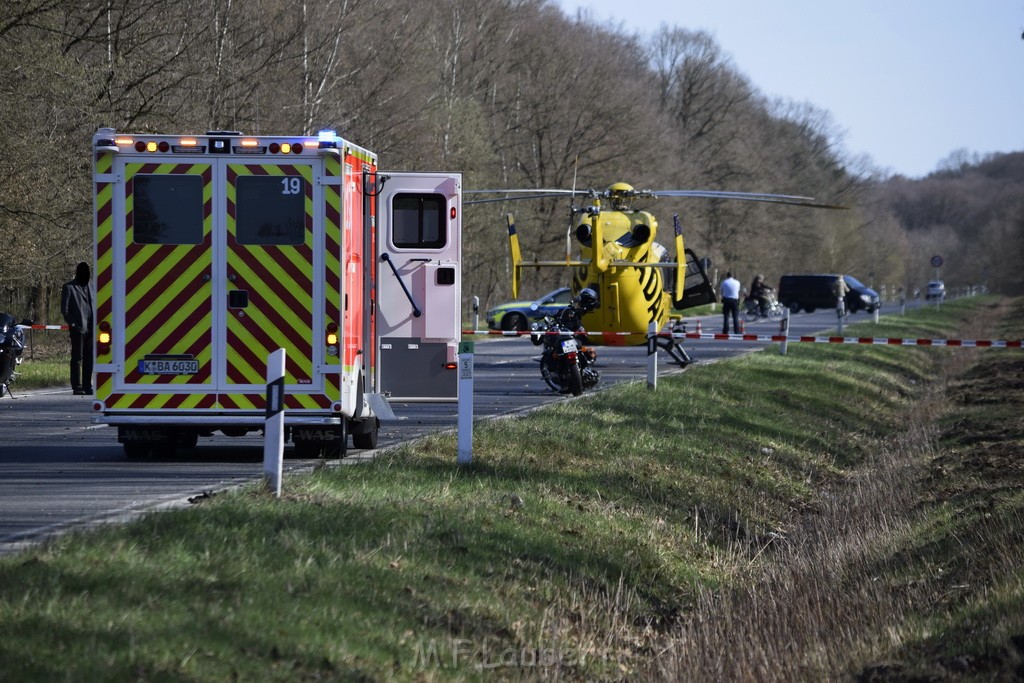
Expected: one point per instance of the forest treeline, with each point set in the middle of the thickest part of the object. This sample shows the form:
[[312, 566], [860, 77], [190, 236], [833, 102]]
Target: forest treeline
[[512, 93]]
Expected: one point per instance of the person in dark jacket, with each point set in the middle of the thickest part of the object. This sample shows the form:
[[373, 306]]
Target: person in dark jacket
[[76, 307], [761, 291]]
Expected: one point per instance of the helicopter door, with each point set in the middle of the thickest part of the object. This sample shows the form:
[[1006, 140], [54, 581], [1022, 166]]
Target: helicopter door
[[419, 285]]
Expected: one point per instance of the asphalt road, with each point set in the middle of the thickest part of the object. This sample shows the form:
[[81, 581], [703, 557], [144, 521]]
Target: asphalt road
[[58, 471]]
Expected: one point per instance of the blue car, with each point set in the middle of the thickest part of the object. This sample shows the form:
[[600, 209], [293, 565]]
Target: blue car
[[518, 315]]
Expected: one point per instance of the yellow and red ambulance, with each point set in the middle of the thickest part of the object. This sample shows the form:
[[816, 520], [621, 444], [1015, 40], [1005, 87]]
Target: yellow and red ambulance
[[214, 250]]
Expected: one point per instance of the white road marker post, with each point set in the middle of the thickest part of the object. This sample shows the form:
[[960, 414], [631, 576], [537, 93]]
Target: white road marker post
[[273, 431], [652, 355], [784, 331], [465, 438]]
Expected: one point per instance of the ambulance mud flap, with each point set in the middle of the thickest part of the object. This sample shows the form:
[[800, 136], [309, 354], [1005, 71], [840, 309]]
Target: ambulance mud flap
[[320, 442], [380, 407]]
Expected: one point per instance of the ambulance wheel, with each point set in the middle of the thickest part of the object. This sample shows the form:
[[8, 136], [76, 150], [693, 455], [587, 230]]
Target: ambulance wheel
[[133, 450], [308, 449], [367, 440], [337, 449]]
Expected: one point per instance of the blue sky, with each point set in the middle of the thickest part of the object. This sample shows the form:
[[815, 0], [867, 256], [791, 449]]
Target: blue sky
[[909, 81]]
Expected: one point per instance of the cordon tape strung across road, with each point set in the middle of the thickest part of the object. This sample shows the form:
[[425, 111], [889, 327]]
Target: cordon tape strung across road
[[778, 338], [886, 341]]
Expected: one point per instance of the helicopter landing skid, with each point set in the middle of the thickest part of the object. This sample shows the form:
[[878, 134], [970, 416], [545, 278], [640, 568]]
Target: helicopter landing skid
[[677, 352]]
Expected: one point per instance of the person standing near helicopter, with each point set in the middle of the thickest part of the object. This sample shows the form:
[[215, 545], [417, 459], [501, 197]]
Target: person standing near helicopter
[[730, 291]]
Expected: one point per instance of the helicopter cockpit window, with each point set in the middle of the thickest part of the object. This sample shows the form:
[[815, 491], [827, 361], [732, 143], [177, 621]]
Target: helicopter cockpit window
[[418, 221]]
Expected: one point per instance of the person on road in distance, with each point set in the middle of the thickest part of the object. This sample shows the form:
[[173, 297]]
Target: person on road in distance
[[730, 291], [761, 291], [76, 307], [839, 290]]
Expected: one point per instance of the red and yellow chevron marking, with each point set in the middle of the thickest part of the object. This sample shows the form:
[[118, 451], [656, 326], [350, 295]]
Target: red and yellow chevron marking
[[164, 401], [257, 402], [168, 292], [332, 252], [104, 254], [279, 279]]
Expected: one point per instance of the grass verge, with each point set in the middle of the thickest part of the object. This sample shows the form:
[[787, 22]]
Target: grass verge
[[608, 537], [45, 361]]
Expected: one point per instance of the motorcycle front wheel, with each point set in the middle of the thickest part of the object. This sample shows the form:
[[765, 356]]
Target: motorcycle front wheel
[[775, 313]]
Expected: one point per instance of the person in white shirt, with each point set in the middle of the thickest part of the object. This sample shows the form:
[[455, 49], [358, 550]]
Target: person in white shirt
[[730, 291]]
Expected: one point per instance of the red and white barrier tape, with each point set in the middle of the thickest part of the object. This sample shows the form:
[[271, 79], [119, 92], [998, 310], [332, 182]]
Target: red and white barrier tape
[[43, 327], [887, 341]]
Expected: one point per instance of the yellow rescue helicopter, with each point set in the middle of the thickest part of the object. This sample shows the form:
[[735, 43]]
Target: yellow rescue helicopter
[[637, 280]]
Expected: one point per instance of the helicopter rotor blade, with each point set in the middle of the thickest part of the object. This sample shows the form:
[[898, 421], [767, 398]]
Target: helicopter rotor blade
[[545, 195], [794, 200]]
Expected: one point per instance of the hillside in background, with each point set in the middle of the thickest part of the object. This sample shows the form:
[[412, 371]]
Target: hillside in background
[[971, 209]]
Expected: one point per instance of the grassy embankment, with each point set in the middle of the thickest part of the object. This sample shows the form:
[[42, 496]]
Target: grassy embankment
[[818, 515], [45, 361]]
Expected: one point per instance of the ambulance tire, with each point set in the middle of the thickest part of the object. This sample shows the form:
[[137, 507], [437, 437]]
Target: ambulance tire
[[135, 450], [367, 440], [337, 450], [308, 450]]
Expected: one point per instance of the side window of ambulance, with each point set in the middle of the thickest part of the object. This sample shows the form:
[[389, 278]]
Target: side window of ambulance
[[270, 210], [168, 209], [418, 221]]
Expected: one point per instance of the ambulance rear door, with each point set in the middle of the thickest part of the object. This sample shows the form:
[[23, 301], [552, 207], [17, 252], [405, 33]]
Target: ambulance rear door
[[220, 262]]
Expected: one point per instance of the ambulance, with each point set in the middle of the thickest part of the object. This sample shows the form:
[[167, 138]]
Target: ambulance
[[212, 251]]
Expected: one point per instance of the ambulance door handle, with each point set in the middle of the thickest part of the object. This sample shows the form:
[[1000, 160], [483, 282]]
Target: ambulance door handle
[[416, 312]]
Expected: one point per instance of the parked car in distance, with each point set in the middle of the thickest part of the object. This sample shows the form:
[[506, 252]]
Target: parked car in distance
[[517, 315], [936, 291], [813, 291]]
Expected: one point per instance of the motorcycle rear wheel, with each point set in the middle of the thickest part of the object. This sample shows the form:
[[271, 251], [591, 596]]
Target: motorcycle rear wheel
[[575, 380], [548, 373]]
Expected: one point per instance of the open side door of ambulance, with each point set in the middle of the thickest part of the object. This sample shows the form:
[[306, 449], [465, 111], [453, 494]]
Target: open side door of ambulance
[[419, 286]]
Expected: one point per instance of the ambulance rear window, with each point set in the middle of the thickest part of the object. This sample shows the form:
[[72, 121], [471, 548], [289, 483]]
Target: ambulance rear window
[[270, 210], [168, 209], [418, 221]]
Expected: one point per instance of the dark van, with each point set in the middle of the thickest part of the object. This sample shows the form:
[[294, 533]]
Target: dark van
[[810, 292]]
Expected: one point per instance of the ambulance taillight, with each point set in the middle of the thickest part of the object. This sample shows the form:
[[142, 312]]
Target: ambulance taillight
[[332, 339], [103, 339]]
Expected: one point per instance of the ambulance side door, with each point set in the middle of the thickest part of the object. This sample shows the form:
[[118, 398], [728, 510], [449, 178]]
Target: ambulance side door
[[419, 283]]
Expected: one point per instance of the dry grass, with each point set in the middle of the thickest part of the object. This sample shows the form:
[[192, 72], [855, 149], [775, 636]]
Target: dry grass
[[863, 588]]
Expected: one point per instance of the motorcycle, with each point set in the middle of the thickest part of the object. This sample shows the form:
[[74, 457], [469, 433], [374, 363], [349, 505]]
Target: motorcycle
[[566, 364], [12, 344], [752, 310]]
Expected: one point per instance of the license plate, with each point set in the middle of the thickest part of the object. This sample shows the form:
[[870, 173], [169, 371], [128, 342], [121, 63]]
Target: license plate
[[569, 346], [165, 366]]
